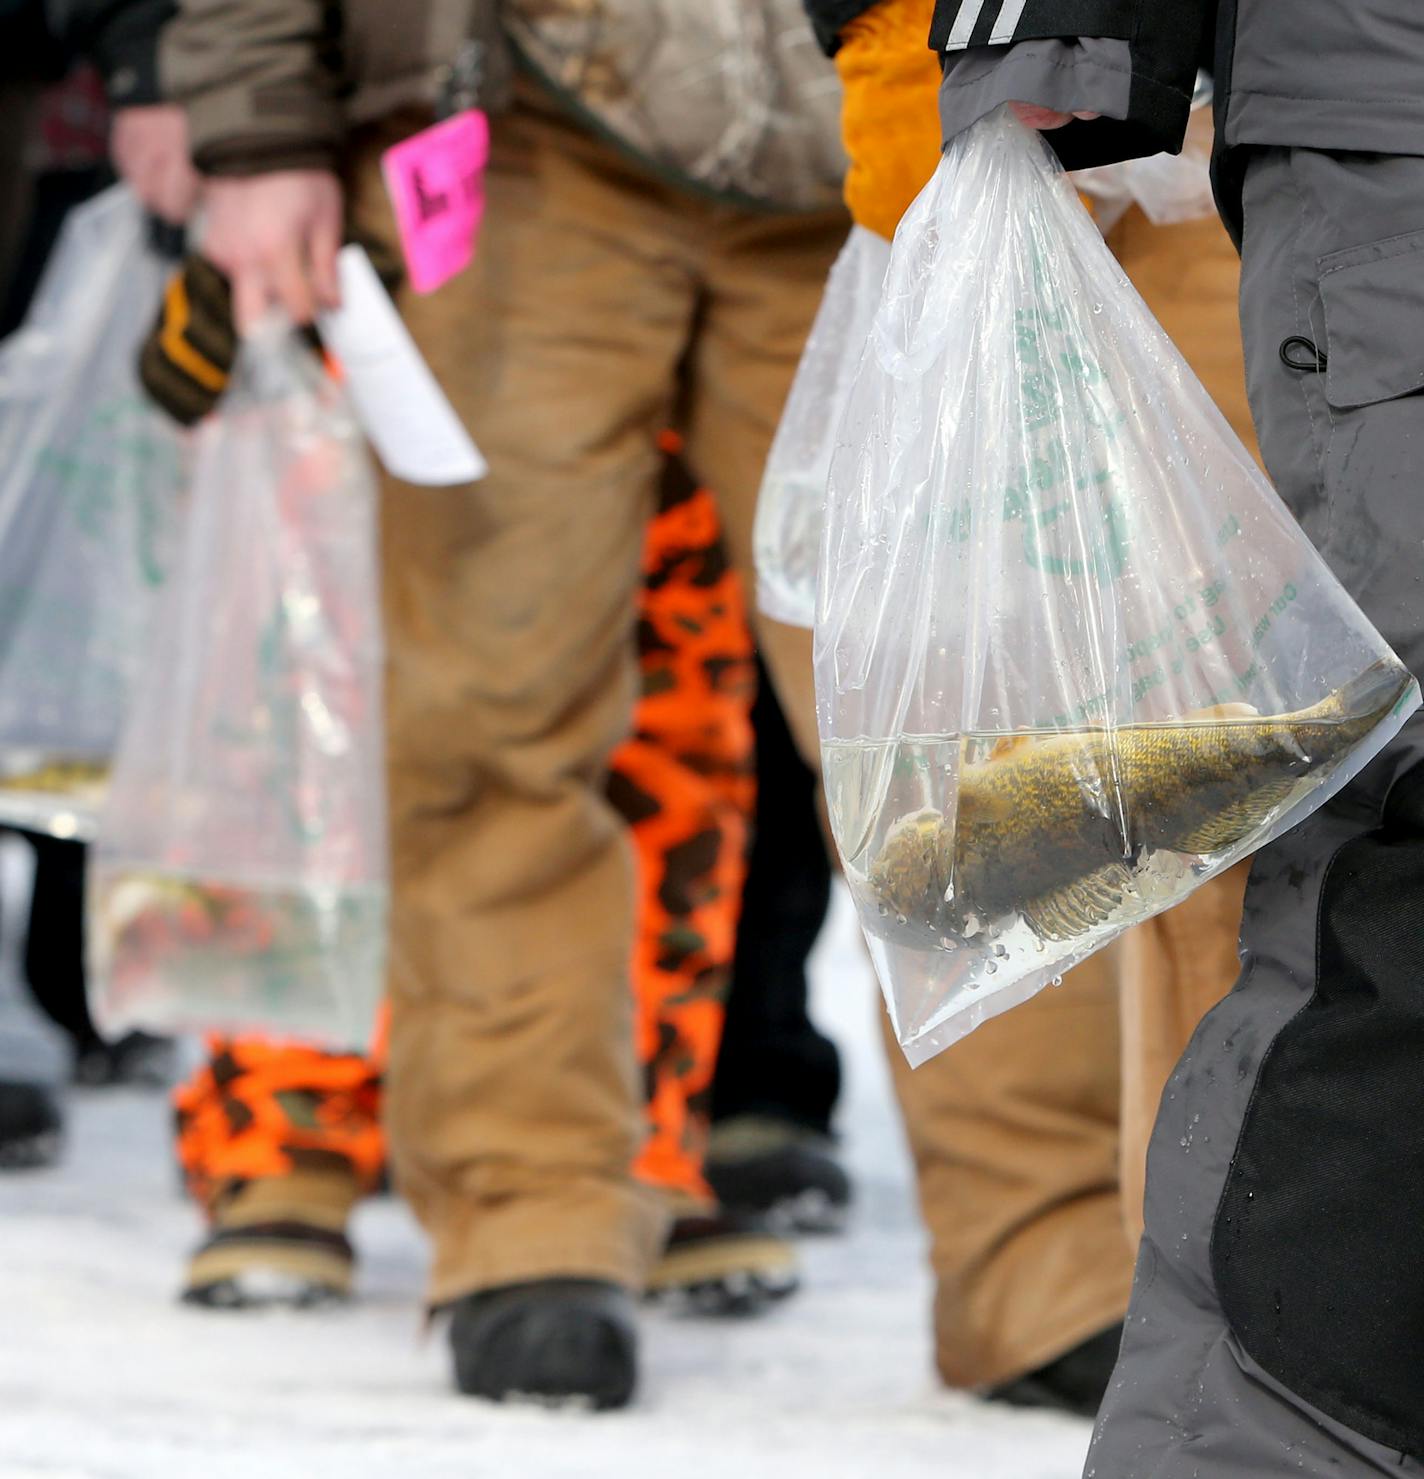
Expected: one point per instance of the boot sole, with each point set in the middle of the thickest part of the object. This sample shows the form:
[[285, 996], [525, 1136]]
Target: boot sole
[[31, 1152], [263, 1275], [732, 1276], [810, 1213]]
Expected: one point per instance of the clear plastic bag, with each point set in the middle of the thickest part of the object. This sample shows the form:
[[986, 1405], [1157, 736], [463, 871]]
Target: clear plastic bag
[[791, 503], [1073, 655], [1170, 188], [90, 476], [239, 878]]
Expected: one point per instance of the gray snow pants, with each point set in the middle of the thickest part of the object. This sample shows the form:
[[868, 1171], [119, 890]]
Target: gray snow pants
[[1277, 1318]]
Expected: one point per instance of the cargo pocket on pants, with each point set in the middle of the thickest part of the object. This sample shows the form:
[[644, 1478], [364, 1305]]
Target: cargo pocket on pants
[[1373, 301]]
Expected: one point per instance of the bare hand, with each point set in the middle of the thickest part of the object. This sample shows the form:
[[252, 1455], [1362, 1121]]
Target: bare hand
[[276, 236], [149, 146], [1043, 119]]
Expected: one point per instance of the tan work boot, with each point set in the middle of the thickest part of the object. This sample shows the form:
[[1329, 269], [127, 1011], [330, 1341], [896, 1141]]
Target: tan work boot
[[722, 1263], [279, 1240]]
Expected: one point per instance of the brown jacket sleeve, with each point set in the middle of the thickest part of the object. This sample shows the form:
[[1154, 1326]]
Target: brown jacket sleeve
[[259, 80]]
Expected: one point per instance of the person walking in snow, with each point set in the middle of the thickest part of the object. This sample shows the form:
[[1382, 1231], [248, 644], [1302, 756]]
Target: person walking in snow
[[1276, 1321]]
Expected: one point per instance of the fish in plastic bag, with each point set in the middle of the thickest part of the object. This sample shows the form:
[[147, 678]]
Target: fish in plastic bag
[[239, 880], [1073, 655], [90, 476], [786, 537]]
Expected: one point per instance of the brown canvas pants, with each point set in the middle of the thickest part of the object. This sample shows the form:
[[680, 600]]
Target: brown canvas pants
[[602, 306]]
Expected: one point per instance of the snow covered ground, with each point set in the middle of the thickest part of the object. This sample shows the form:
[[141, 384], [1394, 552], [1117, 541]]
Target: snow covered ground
[[103, 1376]]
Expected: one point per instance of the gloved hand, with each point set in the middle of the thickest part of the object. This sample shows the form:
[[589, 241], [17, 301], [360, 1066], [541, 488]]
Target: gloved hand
[[890, 115]]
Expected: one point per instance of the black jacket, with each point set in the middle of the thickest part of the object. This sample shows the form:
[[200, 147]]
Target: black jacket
[[120, 37], [828, 17]]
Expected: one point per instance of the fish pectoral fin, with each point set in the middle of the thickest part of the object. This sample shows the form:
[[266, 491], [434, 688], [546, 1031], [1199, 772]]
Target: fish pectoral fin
[[1077, 907], [1007, 745], [1236, 822]]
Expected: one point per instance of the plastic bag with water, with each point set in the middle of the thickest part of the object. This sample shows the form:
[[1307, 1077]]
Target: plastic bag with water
[[1073, 655], [239, 878], [90, 476]]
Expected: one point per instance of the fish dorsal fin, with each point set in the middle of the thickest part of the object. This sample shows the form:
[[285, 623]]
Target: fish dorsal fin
[[1080, 906], [1224, 711], [1236, 822]]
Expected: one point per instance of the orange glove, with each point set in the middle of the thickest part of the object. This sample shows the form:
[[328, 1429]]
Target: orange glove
[[890, 115]]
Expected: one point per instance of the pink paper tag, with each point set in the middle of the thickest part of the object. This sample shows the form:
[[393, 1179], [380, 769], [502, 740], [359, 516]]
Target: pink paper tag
[[436, 181]]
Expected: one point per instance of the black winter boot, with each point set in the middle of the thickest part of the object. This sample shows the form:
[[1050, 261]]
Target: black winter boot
[[1074, 1383], [31, 1128], [554, 1341], [770, 1167]]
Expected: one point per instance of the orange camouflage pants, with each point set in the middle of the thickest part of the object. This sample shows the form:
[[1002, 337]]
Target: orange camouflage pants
[[684, 781]]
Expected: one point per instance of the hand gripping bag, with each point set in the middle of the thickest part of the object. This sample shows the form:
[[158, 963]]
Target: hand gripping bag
[[239, 878], [786, 536], [90, 475], [1073, 655]]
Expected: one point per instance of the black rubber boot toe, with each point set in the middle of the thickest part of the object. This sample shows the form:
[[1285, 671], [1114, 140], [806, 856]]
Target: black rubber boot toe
[[557, 1342], [1076, 1382], [31, 1125]]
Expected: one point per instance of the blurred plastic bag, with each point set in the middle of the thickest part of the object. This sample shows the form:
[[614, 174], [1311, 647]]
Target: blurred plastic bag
[[89, 484], [791, 503], [239, 879], [1170, 188], [1073, 656]]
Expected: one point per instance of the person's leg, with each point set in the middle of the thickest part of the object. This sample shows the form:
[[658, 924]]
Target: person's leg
[[1275, 1325], [774, 1061], [764, 284], [513, 1103], [1171, 971], [277, 1141], [685, 782], [54, 940], [1015, 1137], [778, 1076]]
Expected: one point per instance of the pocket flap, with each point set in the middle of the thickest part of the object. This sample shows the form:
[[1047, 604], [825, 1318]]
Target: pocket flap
[[1374, 320]]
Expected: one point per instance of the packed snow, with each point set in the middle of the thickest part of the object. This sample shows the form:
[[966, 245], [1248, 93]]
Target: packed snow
[[104, 1376]]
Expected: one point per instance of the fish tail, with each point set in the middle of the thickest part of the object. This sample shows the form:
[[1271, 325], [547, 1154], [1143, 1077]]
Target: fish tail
[[1357, 706]]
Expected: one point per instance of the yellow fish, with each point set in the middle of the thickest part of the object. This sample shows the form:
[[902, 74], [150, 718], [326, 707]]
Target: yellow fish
[[1052, 825]]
